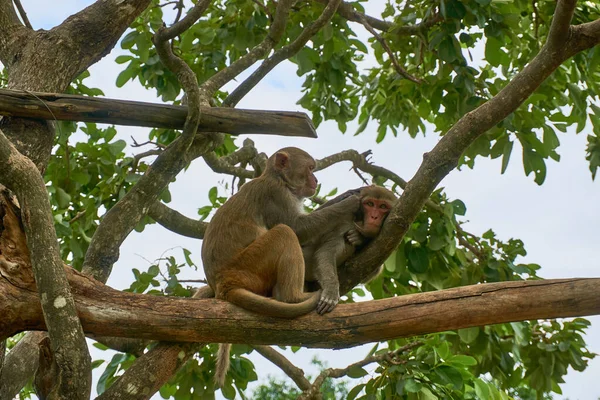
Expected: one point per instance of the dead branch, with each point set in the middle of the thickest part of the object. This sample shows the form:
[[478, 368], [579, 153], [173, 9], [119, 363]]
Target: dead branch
[[51, 106]]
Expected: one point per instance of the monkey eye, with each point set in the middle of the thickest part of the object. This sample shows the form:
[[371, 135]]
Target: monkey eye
[[370, 204], [383, 206]]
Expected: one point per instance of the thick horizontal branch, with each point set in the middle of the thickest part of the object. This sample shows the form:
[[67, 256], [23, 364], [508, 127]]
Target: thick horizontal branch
[[56, 106], [107, 312]]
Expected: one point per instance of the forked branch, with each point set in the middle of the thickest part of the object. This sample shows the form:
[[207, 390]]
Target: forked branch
[[444, 157]]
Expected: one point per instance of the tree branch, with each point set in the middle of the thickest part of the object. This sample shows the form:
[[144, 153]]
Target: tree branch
[[346, 10], [23, 14], [186, 23], [399, 69], [218, 164], [11, 31], [21, 176], [108, 312], [18, 366], [176, 222], [295, 373], [444, 157], [282, 54], [276, 31], [121, 219], [143, 378], [92, 33], [150, 371], [561, 23], [51, 106], [315, 387]]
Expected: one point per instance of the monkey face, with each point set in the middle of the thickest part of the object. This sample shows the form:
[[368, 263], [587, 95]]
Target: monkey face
[[296, 168], [374, 213]]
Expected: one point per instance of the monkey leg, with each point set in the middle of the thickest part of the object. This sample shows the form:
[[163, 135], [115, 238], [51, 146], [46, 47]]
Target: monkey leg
[[272, 264]]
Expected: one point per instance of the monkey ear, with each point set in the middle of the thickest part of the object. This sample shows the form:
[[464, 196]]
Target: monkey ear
[[282, 160]]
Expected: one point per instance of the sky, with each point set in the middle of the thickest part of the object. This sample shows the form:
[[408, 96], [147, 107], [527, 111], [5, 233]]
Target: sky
[[558, 221]]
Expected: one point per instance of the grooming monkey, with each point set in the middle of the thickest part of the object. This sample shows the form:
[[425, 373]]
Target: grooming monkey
[[325, 253], [251, 248]]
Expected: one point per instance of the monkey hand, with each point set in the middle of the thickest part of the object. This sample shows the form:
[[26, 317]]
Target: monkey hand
[[329, 299], [354, 237]]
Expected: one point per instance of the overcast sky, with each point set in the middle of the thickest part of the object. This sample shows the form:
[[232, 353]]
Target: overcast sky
[[558, 221]]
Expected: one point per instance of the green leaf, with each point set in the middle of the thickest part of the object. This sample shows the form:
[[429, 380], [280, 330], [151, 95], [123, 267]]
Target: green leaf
[[63, 199], [117, 147], [228, 390], [212, 195], [506, 155], [450, 375], [481, 389], [459, 207], [356, 372], [188, 259], [123, 59], [412, 386], [418, 260], [129, 40], [468, 335], [126, 75], [447, 50], [494, 53], [327, 31], [455, 9], [463, 360], [355, 391]]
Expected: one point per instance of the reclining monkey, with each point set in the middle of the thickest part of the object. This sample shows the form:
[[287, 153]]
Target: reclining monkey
[[325, 253]]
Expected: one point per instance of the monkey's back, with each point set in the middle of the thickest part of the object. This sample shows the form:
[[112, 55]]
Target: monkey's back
[[259, 205]]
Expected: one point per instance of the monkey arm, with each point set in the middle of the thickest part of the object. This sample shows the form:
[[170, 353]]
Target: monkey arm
[[325, 272], [323, 220], [341, 197]]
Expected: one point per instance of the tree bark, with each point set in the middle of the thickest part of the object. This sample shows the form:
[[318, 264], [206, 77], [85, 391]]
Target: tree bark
[[56, 106], [104, 311]]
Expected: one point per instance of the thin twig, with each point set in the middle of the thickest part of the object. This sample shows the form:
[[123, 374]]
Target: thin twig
[[264, 8], [295, 373], [136, 144], [179, 8], [282, 54], [22, 13], [259, 51], [399, 69], [389, 356]]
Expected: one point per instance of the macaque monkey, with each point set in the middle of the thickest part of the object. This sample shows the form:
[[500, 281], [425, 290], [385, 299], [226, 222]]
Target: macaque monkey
[[324, 254], [251, 249]]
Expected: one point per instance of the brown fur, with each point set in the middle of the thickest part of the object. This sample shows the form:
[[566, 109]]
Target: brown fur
[[251, 248], [324, 254]]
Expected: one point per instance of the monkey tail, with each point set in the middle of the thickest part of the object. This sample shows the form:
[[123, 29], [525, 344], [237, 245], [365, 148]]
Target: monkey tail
[[222, 364], [270, 307]]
